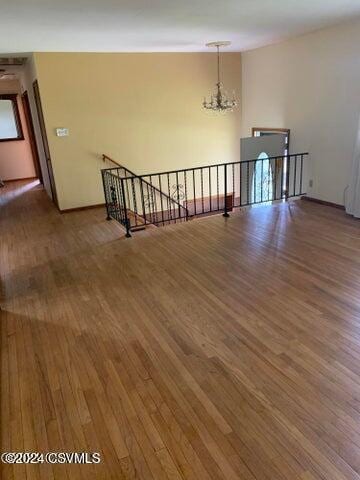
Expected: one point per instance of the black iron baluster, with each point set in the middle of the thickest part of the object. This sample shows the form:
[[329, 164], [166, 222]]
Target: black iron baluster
[[148, 204], [287, 177], [301, 175], [113, 197], [127, 193], [262, 180], [110, 197], [268, 180], [174, 204], [186, 198], [103, 174], [233, 183], [126, 219], [247, 183], [210, 189], [194, 187], [121, 198], [134, 200], [170, 201], [274, 196], [155, 199], [295, 165], [240, 186], [225, 214], [143, 200], [152, 201], [217, 186], [161, 201], [282, 191], [254, 181], [202, 188], [167, 205], [122, 194], [119, 201], [178, 193]]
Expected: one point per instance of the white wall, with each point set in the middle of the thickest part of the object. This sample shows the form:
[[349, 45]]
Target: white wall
[[310, 84]]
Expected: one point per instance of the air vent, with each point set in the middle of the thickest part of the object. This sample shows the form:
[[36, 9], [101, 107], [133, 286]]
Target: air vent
[[12, 61]]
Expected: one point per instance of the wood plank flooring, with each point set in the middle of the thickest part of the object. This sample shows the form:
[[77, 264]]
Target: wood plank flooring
[[211, 350]]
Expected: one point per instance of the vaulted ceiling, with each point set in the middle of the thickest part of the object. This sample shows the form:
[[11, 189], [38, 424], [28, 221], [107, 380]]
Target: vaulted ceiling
[[160, 25]]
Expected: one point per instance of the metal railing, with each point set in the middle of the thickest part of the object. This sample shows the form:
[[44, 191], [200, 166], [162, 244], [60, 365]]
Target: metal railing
[[139, 210], [178, 195]]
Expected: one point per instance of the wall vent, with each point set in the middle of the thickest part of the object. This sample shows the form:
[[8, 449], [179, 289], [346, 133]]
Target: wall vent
[[12, 61]]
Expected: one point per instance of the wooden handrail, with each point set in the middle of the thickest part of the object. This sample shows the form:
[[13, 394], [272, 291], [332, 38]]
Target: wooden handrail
[[105, 157]]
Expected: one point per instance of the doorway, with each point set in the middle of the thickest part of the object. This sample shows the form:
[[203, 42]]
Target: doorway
[[45, 141], [31, 133], [278, 169]]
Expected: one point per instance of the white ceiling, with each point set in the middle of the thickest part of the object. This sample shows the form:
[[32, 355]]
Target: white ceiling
[[160, 25]]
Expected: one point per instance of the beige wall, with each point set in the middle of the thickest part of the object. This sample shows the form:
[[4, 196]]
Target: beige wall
[[310, 84], [15, 156], [143, 110]]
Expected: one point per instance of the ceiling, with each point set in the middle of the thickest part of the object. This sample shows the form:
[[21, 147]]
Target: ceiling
[[161, 25]]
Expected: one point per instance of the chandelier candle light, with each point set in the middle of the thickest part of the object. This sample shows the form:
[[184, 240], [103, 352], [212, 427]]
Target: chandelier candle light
[[219, 100]]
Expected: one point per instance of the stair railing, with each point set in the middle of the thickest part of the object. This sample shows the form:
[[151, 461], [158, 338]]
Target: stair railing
[[177, 195], [134, 203]]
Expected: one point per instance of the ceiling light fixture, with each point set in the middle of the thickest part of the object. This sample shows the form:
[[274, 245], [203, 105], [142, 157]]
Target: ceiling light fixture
[[219, 101]]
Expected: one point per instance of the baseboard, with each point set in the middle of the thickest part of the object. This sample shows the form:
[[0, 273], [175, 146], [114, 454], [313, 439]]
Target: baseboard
[[323, 202], [78, 209]]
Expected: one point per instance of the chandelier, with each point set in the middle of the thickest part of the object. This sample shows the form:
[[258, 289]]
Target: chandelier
[[219, 101]]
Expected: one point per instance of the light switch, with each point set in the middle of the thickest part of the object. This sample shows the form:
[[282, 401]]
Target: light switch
[[62, 132]]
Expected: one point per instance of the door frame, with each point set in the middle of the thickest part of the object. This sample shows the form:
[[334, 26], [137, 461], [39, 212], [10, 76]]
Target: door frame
[[285, 131], [277, 166], [45, 141], [31, 132]]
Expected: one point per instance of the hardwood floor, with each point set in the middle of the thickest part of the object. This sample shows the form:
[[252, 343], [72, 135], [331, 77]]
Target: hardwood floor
[[215, 349]]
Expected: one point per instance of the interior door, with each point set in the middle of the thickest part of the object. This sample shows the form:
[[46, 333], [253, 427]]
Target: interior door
[[251, 147], [45, 141], [263, 132]]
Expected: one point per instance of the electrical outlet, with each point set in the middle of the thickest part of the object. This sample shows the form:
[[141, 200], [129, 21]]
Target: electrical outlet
[[62, 132], [311, 183]]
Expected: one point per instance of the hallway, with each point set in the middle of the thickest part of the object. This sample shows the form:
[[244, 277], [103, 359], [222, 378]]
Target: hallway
[[212, 349]]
